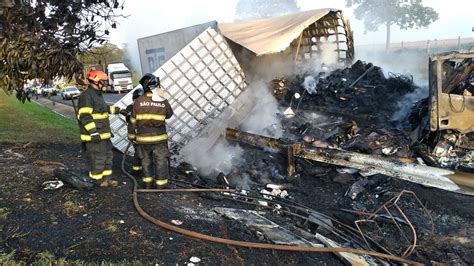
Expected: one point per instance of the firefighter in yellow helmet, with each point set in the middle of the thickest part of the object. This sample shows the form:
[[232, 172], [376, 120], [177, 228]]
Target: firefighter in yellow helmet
[[136, 164], [148, 115], [93, 115]]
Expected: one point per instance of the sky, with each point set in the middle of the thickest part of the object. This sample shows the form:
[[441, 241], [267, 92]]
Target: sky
[[149, 17]]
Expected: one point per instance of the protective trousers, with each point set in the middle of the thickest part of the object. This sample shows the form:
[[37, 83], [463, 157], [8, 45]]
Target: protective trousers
[[136, 164], [154, 155], [100, 159]]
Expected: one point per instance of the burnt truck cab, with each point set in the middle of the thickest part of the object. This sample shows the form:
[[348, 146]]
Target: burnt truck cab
[[451, 93]]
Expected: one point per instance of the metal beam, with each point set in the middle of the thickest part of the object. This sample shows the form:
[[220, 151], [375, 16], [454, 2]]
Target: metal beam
[[445, 179]]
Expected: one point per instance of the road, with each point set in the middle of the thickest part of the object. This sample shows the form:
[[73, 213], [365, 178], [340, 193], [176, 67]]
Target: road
[[110, 98]]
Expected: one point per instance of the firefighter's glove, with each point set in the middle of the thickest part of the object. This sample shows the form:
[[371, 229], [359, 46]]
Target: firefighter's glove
[[124, 112], [116, 110], [95, 137]]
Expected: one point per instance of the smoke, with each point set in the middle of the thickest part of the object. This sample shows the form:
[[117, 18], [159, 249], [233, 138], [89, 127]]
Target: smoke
[[217, 159], [263, 119], [328, 55], [406, 103], [309, 84], [407, 62]]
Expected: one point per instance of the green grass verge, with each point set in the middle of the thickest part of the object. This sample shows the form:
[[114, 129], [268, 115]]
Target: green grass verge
[[31, 122], [47, 259]]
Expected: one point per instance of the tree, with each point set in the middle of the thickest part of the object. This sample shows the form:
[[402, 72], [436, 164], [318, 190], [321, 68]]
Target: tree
[[44, 39], [404, 13], [103, 55], [257, 9]]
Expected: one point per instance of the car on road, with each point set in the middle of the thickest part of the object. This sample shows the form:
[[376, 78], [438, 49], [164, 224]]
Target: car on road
[[70, 92], [48, 90]]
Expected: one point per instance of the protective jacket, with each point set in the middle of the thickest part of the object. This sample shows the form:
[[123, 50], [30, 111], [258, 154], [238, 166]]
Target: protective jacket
[[130, 126], [93, 114], [149, 117]]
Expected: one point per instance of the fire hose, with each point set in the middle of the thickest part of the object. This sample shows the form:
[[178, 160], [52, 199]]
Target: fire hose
[[225, 241]]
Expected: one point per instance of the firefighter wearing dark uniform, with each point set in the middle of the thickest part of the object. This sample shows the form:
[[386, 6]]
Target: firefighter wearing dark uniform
[[149, 114], [136, 164], [93, 115]]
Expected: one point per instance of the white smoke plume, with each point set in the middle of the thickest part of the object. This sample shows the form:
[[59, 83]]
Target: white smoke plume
[[263, 119], [406, 103], [217, 159], [309, 84], [328, 54]]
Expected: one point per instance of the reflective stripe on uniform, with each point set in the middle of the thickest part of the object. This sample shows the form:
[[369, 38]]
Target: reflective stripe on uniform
[[103, 136], [84, 110], [131, 136], [161, 182], [136, 168], [97, 116], [112, 110], [147, 179], [133, 120], [146, 139], [107, 172], [95, 176], [90, 126], [150, 117]]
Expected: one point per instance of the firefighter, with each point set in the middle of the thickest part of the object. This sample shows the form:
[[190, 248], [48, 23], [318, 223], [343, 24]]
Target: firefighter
[[136, 164], [35, 91], [148, 115], [93, 115]]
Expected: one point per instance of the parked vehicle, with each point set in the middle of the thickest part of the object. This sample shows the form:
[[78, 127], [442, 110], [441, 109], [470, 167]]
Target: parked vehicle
[[70, 92], [48, 90]]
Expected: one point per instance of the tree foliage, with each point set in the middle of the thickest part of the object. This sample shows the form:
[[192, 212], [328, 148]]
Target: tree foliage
[[403, 13], [103, 55], [258, 9], [44, 39]]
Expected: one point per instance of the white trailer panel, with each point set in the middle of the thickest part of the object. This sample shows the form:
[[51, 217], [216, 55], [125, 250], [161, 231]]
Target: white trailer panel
[[201, 81]]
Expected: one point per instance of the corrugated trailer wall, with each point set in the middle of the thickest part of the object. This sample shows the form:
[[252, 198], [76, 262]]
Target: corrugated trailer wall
[[201, 81]]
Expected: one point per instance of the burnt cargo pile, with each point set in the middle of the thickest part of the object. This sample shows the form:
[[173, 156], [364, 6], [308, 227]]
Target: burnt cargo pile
[[350, 108], [361, 92]]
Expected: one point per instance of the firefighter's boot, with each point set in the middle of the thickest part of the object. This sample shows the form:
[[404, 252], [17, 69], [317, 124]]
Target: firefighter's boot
[[148, 183], [161, 183]]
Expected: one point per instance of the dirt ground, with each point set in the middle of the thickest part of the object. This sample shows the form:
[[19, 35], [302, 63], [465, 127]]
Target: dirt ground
[[103, 225]]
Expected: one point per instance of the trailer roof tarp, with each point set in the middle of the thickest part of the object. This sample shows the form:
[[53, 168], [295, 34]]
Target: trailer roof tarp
[[272, 35]]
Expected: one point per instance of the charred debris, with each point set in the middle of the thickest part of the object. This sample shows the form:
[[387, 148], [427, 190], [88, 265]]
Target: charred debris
[[355, 128]]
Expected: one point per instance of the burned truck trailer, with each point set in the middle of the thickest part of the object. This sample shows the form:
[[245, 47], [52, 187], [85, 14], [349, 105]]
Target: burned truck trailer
[[295, 39], [204, 67], [451, 93], [446, 134]]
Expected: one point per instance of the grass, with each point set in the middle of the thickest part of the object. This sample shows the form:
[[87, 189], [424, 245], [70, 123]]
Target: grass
[[72, 208], [44, 258], [4, 212], [31, 122]]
